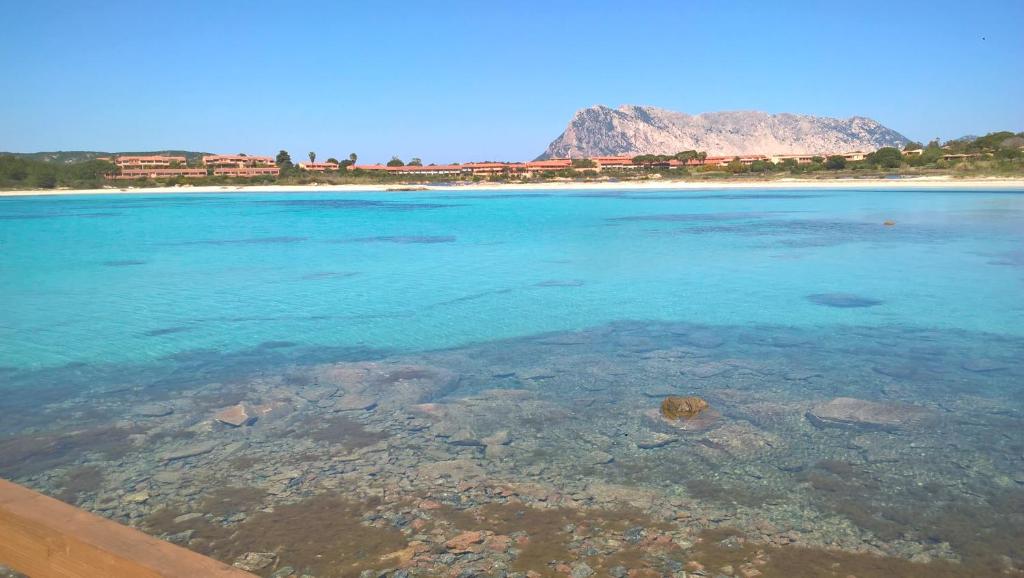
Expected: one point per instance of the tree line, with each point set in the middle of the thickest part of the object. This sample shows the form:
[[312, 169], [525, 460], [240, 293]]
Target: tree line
[[17, 172]]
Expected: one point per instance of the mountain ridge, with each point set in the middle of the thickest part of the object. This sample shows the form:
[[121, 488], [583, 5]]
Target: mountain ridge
[[633, 130]]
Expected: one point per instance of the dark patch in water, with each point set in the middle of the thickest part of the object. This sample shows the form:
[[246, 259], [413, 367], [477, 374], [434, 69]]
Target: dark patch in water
[[56, 214], [723, 546], [346, 432], [403, 239], [97, 215], [495, 196], [691, 217], [735, 197], [253, 241], [32, 454], [561, 283], [355, 204], [1009, 259], [123, 263], [842, 300], [821, 233], [324, 535], [276, 344], [474, 296], [80, 482], [166, 331], [227, 501], [328, 275]]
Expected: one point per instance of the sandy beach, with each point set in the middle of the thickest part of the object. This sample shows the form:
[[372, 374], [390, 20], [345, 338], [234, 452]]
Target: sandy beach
[[904, 183]]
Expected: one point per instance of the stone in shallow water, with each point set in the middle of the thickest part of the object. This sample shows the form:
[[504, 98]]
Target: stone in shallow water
[[656, 440], [850, 412], [706, 370], [740, 439], [355, 402], [498, 438], [154, 410], [236, 416], [682, 407], [703, 421], [465, 438], [255, 561], [842, 300], [188, 451]]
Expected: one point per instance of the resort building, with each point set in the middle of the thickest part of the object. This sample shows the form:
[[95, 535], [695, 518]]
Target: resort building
[[241, 166], [412, 169], [126, 174], [153, 167], [247, 171], [237, 161], [614, 162], [148, 162], [318, 166]]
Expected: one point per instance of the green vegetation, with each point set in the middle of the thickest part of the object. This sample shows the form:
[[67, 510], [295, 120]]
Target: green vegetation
[[835, 163], [886, 158], [998, 154], [283, 160], [19, 172]]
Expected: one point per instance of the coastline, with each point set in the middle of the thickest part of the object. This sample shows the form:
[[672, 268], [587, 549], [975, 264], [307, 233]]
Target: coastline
[[928, 182]]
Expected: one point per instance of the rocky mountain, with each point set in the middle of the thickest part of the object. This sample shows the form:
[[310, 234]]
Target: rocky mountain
[[633, 130]]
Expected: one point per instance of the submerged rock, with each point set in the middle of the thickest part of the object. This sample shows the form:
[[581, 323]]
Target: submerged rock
[[656, 440], [465, 438], [850, 412], [464, 541], [498, 438], [236, 416], [740, 439], [674, 407], [188, 451], [842, 300], [154, 410], [255, 561]]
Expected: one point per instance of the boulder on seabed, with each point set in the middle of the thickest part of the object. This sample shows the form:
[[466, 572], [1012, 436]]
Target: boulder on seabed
[[675, 407], [236, 415], [255, 561], [849, 412]]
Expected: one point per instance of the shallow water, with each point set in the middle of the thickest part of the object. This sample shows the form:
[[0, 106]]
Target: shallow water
[[388, 338]]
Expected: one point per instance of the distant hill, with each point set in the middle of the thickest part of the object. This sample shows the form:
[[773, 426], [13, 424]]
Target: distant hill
[[635, 130], [69, 157]]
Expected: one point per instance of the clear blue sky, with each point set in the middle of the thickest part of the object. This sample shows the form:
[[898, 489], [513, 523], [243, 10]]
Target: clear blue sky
[[456, 81]]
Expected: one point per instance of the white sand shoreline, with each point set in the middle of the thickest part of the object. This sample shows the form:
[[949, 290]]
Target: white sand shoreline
[[941, 182]]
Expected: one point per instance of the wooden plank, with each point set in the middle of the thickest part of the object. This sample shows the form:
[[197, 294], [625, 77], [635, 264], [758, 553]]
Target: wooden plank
[[46, 538]]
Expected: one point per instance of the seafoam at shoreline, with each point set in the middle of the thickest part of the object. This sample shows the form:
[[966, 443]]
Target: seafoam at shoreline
[[904, 183]]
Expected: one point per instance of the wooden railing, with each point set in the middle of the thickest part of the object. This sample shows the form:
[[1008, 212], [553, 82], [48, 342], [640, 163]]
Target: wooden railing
[[46, 538]]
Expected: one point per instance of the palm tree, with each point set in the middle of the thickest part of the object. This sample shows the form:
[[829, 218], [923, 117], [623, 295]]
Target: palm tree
[[312, 157], [352, 157]]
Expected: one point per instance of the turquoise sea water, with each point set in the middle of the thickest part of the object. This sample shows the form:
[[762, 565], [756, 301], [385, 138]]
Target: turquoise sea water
[[865, 380], [136, 278]]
